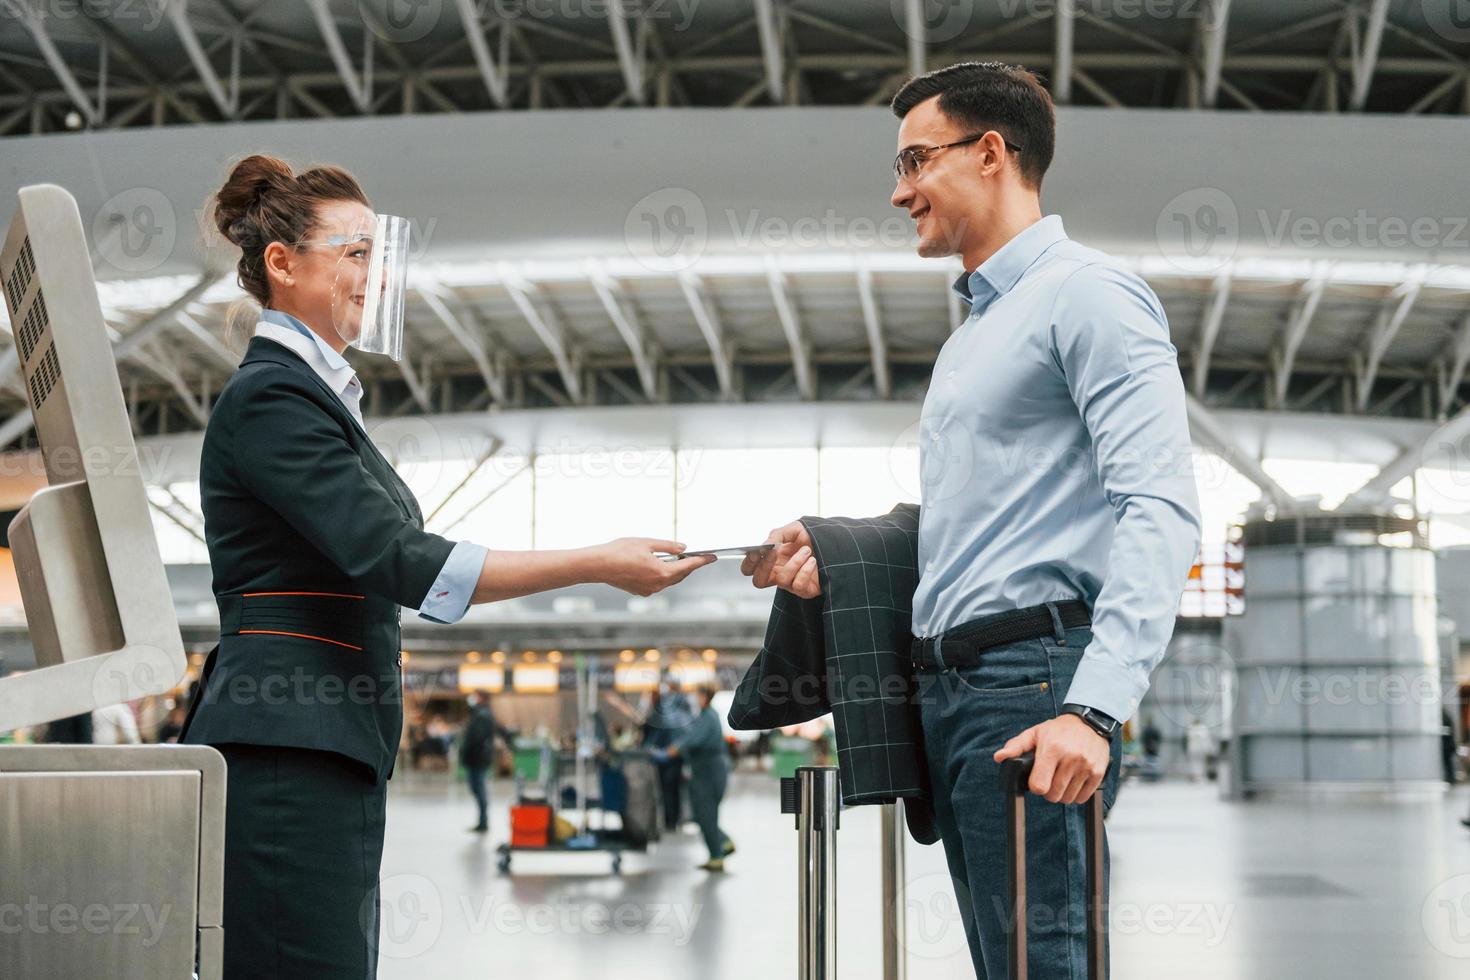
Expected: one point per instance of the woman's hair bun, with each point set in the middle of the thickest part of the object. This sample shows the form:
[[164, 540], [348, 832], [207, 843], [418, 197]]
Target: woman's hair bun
[[262, 202], [251, 181]]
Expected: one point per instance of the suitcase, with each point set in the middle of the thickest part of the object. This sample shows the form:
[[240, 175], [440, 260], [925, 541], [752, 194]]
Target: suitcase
[[642, 807], [1014, 775], [530, 825]]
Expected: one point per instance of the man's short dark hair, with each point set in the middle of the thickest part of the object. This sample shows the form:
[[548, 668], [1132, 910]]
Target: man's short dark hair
[[986, 95]]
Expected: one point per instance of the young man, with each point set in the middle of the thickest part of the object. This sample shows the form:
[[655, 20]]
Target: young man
[[477, 753], [1059, 514]]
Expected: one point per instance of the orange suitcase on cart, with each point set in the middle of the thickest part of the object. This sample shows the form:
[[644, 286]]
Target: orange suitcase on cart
[[530, 825]]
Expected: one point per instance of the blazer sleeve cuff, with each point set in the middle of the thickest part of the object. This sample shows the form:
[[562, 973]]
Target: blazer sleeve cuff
[[449, 597]]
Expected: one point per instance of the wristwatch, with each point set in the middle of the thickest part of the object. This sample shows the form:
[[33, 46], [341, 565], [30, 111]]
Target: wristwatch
[[1104, 725]]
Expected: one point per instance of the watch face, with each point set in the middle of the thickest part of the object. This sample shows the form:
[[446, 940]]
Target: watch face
[[1104, 725], [1101, 723]]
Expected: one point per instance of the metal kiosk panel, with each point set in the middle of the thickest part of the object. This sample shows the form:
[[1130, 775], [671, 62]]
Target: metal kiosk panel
[[114, 861], [111, 857], [97, 601]]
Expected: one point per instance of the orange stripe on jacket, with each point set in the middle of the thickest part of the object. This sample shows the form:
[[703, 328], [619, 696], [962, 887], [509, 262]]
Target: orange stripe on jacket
[[334, 595], [304, 636]]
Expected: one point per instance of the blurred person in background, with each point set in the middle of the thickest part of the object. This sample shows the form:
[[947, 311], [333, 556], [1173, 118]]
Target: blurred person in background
[[477, 753], [623, 738], [1447, 747], [438, 741], [668, 715], [1152, 740], [74, 730], [115, 724], [1198, 747], [173, 722], [702, 745]]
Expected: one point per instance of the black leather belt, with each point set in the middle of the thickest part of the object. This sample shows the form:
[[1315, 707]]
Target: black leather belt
[[962, 646], [331, 617]]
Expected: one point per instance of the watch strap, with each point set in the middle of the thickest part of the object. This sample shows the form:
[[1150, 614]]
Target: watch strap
[[1104, 725]]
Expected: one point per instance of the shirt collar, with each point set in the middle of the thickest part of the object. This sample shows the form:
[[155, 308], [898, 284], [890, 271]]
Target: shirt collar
[[999, 273], [325, 363], [333, 360]]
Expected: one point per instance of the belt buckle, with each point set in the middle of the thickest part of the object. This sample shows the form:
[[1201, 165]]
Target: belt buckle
[[917, 653], [930, 647]]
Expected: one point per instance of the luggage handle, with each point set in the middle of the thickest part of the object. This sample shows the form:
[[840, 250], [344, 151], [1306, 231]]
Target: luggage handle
[[1015, 774]]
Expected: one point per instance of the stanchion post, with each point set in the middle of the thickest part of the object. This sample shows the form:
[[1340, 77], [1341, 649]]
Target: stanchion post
[[894, 924], [813, 796]]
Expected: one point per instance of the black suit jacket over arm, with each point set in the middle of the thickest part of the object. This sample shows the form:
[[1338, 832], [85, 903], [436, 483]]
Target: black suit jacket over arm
[[297, 499], [847, 652]]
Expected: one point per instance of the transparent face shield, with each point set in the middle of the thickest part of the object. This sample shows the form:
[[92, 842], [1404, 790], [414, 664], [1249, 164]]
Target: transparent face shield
[[371, 280]]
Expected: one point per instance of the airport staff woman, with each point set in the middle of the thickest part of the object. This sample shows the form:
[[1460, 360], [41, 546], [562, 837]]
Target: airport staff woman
[[315, 544]]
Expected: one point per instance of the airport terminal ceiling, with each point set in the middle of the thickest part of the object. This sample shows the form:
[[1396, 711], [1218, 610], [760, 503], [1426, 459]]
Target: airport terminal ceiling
[[654, 268], [232, 60]]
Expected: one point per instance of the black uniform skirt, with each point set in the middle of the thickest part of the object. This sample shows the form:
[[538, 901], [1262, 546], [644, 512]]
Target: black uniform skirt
[[303, 845]]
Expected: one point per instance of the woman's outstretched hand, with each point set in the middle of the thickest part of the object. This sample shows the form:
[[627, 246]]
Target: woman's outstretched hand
[[634, 565]]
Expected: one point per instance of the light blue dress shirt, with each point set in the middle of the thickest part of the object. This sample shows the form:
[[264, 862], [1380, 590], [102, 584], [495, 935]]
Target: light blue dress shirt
[[449, 597], [1056, 460]]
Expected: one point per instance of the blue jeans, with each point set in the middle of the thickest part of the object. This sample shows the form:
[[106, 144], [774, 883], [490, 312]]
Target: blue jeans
[[967, 715], [671, 789], [475, 776]]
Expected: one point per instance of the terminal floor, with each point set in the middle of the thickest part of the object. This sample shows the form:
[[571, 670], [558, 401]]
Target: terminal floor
[[1201, 888]]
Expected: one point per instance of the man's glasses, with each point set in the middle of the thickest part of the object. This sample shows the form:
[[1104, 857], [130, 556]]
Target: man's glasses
[[911, 160]]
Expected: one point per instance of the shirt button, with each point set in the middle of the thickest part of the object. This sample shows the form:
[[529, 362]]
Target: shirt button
[[933, 437]]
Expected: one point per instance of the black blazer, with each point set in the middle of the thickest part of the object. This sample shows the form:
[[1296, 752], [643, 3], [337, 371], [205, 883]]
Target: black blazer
[[847, 652], [315, 544]]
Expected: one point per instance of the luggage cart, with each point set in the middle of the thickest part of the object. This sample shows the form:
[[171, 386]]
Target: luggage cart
[[565, 775], [599, 845], [595, 835]]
